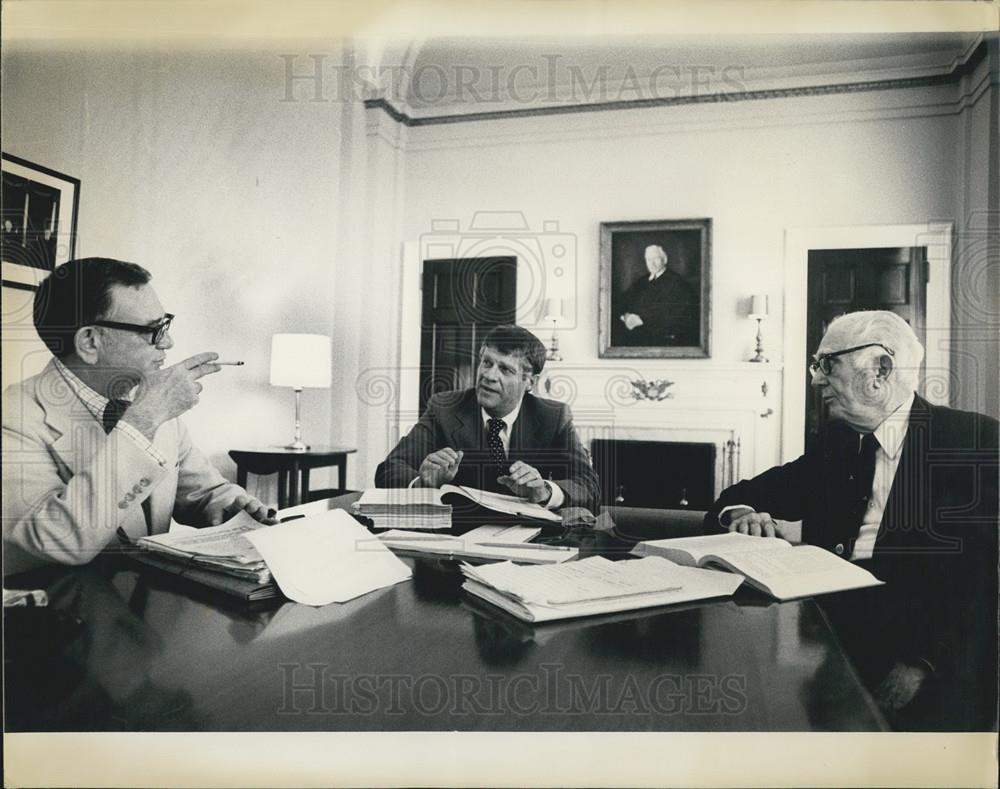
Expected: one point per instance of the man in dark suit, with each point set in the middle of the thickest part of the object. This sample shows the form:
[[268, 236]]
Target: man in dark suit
[[661, 308], [498, 436], [909, 490]]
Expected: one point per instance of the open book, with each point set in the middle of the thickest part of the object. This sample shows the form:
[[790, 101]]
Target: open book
[[437, 508], [770, 564], [594, 585]]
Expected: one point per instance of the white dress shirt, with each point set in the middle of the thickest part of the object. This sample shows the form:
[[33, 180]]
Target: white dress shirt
[[96, 403], [889, 435]]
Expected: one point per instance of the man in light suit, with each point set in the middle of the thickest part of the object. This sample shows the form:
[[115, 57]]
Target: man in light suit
[[908, 490], [498, 436], [93, 450]]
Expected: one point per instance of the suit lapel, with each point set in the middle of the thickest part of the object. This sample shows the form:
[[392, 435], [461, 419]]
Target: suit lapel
[[77, 434], [904, 509], [467, 430]]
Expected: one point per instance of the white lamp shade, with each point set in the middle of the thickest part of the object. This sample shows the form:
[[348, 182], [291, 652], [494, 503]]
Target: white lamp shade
[[301, 360], [553, 309], [758, 306]]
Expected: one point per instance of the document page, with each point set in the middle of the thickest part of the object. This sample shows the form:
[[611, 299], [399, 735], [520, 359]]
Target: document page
[[226, 541], [379, 498], [594, 578], [327, 558], [691, 550], [800, 572], [501, 502]]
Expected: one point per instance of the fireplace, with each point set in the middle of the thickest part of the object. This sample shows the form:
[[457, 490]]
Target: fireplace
[[662, 474]]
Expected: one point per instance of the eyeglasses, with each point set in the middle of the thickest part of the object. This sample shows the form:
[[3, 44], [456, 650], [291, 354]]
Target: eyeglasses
[[156, 332], [824, 362]]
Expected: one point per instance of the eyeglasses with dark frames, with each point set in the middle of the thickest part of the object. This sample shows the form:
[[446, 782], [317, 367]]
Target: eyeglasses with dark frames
[[156, 331], [824, 362]]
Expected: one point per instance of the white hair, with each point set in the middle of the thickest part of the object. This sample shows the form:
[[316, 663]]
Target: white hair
[[889, 329], [659, 250]]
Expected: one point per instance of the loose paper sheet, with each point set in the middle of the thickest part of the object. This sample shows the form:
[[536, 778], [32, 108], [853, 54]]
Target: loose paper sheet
[[326, 558]]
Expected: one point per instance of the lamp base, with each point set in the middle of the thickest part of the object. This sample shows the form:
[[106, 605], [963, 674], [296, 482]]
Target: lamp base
[[297, 446]]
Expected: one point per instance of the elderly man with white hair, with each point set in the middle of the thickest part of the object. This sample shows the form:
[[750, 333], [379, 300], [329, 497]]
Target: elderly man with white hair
[[908, 490]]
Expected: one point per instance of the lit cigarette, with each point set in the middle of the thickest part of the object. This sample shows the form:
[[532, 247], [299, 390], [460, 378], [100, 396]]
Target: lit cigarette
[[230, 364]]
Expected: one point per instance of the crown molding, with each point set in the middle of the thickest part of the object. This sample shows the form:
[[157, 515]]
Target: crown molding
[[960, 68]]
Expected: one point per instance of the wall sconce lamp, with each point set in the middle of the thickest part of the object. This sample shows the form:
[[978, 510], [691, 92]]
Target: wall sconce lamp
[[301, 361], [758, 311], [554, 313]]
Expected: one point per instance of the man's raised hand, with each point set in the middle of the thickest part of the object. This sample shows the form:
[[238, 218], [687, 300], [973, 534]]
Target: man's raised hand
[[440, 468], [526, 482], [166, 394]]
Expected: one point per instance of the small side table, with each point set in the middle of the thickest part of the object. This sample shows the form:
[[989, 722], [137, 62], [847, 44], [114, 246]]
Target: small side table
[[292, 468]]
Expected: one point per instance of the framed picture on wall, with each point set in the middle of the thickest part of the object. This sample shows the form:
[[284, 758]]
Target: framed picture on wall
[[38, 223], [656, 288]]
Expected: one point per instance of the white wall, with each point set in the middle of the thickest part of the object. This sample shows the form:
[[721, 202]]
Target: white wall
[[755, 178], [976, 275], [191, 165]]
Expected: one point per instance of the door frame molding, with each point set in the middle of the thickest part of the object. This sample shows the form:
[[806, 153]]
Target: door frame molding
[[935, 236]]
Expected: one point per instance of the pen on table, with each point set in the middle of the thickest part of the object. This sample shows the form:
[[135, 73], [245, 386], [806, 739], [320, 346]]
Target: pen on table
[[417, 538], [533, 545], [229, 364]]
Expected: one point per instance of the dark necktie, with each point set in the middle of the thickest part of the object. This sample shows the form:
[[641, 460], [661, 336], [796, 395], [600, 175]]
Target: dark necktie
[[863, 477], [494, 426], [112, 415]]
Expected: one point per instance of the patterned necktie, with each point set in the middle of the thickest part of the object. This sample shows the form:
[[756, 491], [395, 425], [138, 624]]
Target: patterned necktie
[[494, 426], [112, 415]]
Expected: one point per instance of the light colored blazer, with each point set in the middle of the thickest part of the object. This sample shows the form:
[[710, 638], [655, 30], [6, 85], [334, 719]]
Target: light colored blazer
[[68, 487]]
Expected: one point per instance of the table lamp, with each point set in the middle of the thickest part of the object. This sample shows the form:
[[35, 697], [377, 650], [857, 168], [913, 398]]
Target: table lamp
[[553, 312], [300, 361], [758, 311]]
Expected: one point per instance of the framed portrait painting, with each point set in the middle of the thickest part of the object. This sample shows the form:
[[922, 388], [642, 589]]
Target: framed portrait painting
[[656, 287], [38, 225]]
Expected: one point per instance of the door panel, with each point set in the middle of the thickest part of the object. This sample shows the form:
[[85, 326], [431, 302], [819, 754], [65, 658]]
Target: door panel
[[846, 280], [462, 300]]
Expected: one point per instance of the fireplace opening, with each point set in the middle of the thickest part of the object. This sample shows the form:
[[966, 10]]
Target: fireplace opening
[[662, 474]]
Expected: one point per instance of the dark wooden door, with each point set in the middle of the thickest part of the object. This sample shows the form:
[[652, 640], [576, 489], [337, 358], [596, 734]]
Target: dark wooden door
[[845, 280], [462, 300]]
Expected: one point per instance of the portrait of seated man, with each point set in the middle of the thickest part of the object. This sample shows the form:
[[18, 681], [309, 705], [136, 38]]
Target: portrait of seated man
[[659, 308], [908, 490], [498, 435], [94, 451]]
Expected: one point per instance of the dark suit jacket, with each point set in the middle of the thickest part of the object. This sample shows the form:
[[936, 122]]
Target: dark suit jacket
[[668, 307], [543, 436], [936, 550]]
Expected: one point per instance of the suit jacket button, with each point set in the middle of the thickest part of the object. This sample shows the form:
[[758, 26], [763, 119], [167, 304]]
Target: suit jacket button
[[144, 481], [122, 505], [129, 496], [838, 548], [137, 488]]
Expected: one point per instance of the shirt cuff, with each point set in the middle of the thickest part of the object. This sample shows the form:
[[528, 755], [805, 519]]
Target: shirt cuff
[[724, 521], [557, 498], [141, 441]]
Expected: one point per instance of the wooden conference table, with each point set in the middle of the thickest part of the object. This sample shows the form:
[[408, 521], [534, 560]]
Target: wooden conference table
[[136, 650]]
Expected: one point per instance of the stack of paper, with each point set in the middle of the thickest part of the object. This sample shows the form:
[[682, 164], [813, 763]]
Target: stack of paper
[[404, 508], [223, 549], [592, 586], [487, 543]]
